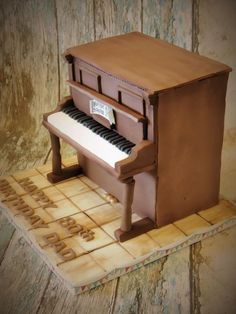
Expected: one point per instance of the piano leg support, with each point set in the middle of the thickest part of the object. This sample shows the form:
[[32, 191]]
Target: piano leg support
[[58, 173], [126, 220], [128, 230]]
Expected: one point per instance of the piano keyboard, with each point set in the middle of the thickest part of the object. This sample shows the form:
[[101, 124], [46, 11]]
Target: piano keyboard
[[106, 144]]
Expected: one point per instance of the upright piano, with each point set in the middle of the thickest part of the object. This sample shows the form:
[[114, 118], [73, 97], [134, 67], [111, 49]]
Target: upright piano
[[147, 119]]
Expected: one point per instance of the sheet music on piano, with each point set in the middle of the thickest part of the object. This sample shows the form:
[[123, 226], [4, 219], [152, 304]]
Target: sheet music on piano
[[103, 110]]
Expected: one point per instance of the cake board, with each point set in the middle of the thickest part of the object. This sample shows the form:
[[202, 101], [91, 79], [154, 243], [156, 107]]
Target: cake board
[[28, 194]]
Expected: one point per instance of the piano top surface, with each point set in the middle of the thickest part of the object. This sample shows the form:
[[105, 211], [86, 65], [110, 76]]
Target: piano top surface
[[148, 63]]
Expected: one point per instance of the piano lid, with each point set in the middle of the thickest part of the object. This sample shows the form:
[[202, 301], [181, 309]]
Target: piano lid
[[146, 62]]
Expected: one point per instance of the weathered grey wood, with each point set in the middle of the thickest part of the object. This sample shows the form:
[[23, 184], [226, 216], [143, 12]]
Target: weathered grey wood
[[75, 25], [7, 231], [170, 20], [215, 38], [28, 80], [75, 21], [57, 299], [24, 277], [214, 278], [117, 17], [160, 287]]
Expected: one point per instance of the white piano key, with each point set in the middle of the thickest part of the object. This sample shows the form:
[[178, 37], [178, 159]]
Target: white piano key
[[86, 138]]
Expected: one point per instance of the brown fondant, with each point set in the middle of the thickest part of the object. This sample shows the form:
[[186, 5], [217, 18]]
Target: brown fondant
[[146, 62], [66, 173], [139, 227], [190, 129], [178, 132]]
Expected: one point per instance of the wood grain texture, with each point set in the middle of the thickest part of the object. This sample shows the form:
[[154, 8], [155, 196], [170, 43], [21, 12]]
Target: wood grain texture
[[214, 272], [27, 286], [170, 20], [28, 80], [75, 20], [57, 299], [24, 277], [160, 287], [114, 17], [7, 231], [75, 25]]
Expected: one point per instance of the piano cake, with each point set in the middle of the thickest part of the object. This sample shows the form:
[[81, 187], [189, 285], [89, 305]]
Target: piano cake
[[146, 118]]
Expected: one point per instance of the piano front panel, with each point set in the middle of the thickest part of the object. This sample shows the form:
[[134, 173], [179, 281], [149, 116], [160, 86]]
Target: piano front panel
[[89, 78], [78, 73], [81, 101], [127, 94], [126, 127], [101, 177], [71, 71], [144, 191], [131, 130], [131, 99]]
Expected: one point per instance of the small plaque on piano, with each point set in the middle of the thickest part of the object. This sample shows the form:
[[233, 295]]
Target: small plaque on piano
[[97, 107]]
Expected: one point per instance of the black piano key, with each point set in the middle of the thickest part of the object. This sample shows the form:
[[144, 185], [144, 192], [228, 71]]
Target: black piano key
[[68, 108], [105, 132], [84, 123], [92, 124], [97, 126], [117, 139], [72, 112], [98, 129], [93, 129], [76, 115], [128, 144], [123, 141], [83, 119], [79, 117], [128, 150], [87, 122], [111, 137], [123, 146]]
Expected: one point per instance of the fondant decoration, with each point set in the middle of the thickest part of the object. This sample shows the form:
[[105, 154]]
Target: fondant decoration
[[80, 204], [147, 119]]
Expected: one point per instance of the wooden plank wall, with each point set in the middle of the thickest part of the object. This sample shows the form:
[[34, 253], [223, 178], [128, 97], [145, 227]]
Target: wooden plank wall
[[28, 80], [33, 36]]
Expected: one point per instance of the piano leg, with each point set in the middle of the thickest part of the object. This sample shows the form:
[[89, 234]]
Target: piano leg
[[56, 155], [58, 173], [128, 230], [126, 220]]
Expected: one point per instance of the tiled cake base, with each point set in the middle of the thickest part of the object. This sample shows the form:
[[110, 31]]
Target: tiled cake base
[[37, 207]]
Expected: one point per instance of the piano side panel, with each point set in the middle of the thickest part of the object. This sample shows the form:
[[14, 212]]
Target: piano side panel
[[190, 136]]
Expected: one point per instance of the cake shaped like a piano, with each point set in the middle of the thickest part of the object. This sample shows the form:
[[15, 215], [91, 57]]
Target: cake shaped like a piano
[[147, 119]]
